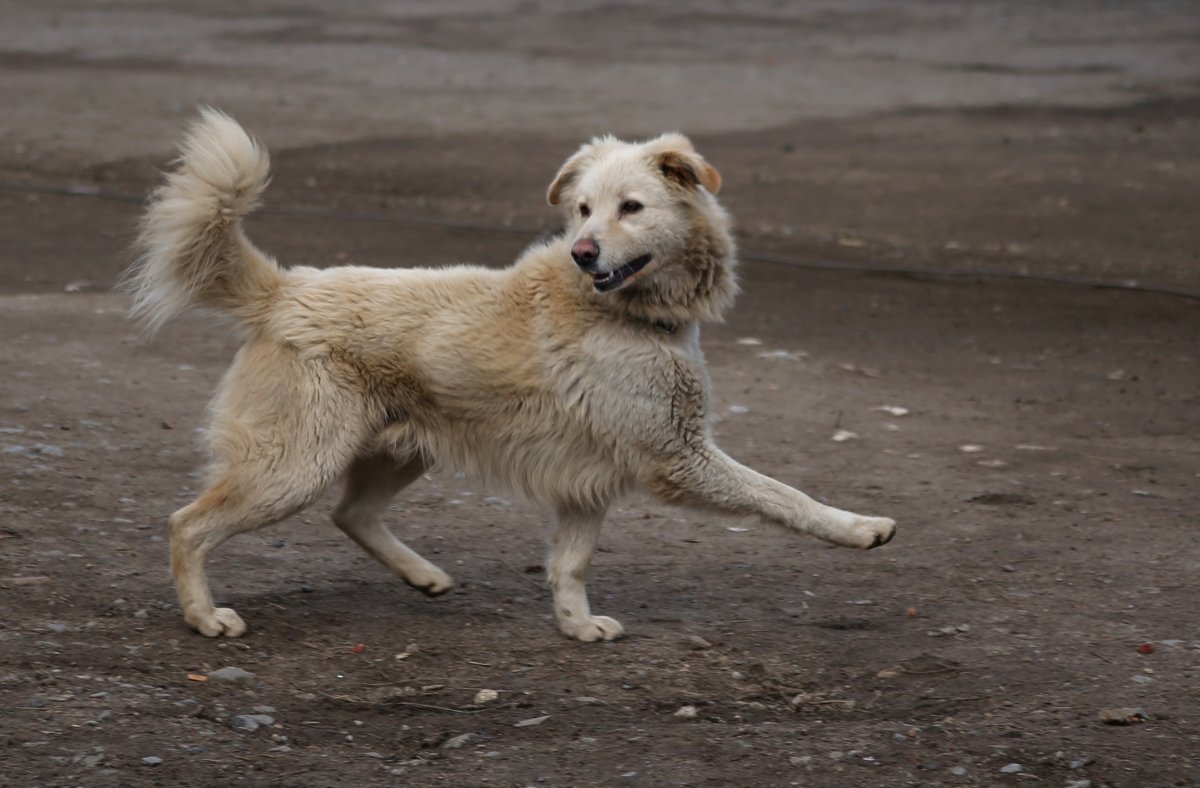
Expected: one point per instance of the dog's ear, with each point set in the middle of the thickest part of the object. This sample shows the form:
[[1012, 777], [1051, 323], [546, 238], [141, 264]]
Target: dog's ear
[[580, 161], [570, 172], [678, 161]]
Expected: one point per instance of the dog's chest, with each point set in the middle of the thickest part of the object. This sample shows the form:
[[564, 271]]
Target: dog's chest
[[639, 384]]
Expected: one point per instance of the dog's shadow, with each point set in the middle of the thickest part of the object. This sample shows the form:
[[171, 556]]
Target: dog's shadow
[[358, 609]]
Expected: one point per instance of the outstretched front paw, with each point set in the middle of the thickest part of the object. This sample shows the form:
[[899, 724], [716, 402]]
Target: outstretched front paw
[[592, 628], [867, 532]]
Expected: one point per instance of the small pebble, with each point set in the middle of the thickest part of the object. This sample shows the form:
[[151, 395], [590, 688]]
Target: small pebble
[[251, 722], [232, 675], [485, 696], [1012, 768], [454, 742], [152, 760], [1123, 716], [686, 713], [699, 642], [244, 722], [958, 771]]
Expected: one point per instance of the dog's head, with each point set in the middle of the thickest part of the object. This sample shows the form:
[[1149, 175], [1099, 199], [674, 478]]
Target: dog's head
[[644, 226]]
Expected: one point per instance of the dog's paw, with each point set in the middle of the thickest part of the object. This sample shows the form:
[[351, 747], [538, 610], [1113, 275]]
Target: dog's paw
[[431, 582], [868, 532], [216, 622], [593, 628]]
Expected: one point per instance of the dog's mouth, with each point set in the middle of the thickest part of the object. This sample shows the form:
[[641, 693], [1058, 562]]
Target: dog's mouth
[[614, 279]]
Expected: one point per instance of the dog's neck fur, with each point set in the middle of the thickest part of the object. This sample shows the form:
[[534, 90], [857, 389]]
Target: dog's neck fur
[[698, 287]]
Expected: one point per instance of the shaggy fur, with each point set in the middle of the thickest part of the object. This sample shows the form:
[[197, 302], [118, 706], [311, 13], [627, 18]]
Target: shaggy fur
[[529, 378]]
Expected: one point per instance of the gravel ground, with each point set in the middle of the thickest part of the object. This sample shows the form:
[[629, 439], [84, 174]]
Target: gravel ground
[[1031, 624]]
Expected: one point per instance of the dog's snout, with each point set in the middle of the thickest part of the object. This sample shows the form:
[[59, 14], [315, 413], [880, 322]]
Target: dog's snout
[[585, 252]]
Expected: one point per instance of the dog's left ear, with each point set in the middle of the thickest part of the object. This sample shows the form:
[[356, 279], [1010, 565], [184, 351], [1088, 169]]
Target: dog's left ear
[[679, 162]]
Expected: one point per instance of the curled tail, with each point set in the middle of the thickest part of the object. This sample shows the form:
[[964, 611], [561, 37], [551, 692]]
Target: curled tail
[[193, 250]]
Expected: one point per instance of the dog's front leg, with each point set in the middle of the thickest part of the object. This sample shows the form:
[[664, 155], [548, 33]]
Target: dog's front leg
[[705, 476], [576, 532]]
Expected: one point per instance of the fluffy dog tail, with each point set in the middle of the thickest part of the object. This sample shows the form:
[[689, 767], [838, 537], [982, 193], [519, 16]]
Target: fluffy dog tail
[[193, 250]]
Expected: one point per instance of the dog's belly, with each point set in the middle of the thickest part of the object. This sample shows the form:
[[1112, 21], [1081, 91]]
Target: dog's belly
[[542, 459]]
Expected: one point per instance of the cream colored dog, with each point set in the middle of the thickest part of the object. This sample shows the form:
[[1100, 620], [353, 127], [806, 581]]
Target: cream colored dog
[[570, 377]]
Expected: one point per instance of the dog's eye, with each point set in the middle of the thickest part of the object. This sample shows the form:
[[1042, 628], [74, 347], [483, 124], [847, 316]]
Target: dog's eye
[[585, 211], [630, 206]]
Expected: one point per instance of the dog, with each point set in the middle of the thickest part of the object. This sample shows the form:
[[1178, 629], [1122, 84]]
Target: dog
[[569, 378]]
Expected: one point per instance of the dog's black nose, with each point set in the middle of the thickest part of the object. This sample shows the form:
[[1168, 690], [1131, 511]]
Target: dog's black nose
[[585, 252]]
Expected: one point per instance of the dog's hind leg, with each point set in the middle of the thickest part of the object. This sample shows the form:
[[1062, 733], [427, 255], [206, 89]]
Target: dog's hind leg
[[576, 533], [246, 496], [371, 483], [283, 429]]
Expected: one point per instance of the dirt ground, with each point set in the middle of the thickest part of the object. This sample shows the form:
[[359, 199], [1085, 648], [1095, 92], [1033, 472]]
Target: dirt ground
[[1044, 475]]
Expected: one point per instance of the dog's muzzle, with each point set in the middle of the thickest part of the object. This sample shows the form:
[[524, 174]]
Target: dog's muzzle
[[614, 279]]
